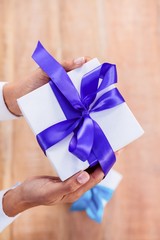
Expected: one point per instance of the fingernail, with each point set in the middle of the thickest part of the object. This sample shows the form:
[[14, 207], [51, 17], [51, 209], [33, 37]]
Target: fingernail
[[83, 178], [79, 60]]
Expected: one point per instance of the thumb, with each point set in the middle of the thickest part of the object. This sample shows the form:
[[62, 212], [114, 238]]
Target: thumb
[[75, 63], [75, 182]]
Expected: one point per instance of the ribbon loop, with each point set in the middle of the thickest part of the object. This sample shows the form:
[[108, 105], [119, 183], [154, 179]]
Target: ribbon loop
[[108, 100], [96, 80], [56, 133]]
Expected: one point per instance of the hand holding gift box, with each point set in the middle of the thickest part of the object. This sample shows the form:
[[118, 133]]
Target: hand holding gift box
[[94, 200], [93, 126]]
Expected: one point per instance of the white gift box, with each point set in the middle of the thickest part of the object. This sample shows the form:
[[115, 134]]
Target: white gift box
[[41, 110], [111, 181]]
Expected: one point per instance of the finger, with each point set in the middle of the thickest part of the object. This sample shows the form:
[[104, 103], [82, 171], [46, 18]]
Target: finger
[[75, 182], [87, 58], [95, 177], [118, 153], [75, 63]]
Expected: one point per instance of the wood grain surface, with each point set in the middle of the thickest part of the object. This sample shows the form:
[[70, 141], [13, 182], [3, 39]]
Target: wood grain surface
[[126, 33]]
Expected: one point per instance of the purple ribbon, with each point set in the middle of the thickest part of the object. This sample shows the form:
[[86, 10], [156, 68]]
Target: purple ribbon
[[88, 141]]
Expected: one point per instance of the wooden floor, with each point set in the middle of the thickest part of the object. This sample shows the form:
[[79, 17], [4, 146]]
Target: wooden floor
[[126, 33]]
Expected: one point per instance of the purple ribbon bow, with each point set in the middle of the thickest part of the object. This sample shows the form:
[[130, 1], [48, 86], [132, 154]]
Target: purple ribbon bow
[[88, 141]]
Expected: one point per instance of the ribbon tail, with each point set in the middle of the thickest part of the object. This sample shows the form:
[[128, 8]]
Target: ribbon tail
[[103, 150], [82, 140], [58, 75], [95, 208]]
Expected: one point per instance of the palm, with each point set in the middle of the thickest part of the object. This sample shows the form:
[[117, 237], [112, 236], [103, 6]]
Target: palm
[[43, 190]]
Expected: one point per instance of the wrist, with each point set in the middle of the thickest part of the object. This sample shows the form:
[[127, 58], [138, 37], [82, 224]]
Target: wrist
[[14, 203], [13, 91]]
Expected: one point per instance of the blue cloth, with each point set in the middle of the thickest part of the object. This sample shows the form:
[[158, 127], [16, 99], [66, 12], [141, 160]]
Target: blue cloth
[[91, 202]]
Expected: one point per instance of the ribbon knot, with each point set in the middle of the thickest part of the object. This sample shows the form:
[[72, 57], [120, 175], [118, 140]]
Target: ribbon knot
[[92, 202], [85, 113], [88, 141]]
